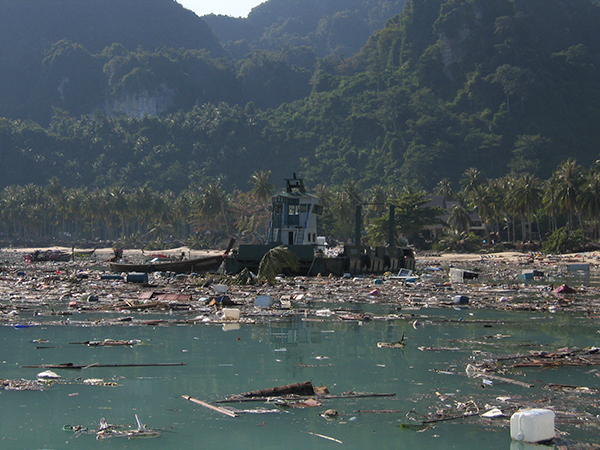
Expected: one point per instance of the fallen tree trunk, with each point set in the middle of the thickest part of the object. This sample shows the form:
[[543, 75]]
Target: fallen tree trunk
[[305, 388]]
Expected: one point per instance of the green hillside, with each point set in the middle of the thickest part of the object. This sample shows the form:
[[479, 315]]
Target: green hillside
[[29, 29], [503, 86], [339, 27]]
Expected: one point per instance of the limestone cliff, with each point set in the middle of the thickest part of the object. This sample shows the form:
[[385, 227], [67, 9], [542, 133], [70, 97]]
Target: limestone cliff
[[143, 102]]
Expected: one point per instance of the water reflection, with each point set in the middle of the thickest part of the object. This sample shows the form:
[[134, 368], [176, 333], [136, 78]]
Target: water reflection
[[514, 445]]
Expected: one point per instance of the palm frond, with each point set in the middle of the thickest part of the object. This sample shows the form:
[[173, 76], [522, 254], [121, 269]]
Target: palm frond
[[275, 261]]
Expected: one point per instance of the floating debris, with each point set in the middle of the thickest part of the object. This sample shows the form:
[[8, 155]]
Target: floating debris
[[107, 431], [21, 385]]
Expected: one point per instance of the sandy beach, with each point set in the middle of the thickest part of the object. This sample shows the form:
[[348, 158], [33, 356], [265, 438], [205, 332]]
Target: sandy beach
[[15, 255], [509, 257]]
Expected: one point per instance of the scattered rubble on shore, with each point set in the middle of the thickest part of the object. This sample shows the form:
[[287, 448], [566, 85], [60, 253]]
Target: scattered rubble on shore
[[84, 292]]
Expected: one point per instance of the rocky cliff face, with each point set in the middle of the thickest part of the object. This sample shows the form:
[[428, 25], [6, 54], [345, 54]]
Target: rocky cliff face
[[463, 25], [452, 49], [145, 102]]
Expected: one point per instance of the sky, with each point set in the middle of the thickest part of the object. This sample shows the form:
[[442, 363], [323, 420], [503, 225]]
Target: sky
[[234, 8]]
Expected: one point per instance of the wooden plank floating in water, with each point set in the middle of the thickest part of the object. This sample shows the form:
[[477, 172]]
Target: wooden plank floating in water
[[329, 438], [209, 406], [304, 397], [85, 366]]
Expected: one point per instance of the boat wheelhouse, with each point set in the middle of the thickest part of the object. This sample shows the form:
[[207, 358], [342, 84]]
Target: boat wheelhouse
[[294, 220]]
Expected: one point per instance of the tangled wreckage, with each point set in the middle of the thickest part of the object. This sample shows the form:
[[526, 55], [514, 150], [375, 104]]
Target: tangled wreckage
[[294, 224]]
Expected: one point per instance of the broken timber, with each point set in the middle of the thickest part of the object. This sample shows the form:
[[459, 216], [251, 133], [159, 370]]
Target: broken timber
[[75, 366], [209, 406], [473, 371], [296, 391], [305, 388]]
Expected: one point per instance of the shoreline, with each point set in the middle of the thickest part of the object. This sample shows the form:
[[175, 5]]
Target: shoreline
[[17, 254]]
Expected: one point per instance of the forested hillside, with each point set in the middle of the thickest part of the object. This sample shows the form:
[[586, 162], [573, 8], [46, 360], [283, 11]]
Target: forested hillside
[[503, 86], [29, 28], [329, 27]]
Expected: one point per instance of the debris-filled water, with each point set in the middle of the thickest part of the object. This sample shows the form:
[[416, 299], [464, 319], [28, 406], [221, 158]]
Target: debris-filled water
[[393, 363], [428, 377]]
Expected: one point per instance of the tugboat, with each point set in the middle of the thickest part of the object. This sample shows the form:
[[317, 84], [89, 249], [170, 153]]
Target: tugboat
[[294, 224]]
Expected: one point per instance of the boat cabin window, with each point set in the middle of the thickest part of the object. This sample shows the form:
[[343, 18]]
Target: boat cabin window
[[293, 214]]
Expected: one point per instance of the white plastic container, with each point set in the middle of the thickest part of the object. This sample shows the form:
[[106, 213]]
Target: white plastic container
[[532, 425], [231, 314]]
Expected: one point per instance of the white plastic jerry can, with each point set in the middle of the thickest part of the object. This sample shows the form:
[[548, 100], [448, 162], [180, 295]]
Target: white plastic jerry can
[[532, 425]]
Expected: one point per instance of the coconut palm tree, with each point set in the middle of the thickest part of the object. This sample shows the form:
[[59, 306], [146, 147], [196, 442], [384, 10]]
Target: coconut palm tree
[[344, 202], [378, 198], [472, 181], [444, 187], [459, 217], [262, 189], [569, 178], [589, 199], [526, 197], [74, 209], [550, 201], [211, 209], [55, 193]]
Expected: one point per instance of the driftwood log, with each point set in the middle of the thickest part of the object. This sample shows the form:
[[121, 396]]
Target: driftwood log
[[79, 366], [305, 388]]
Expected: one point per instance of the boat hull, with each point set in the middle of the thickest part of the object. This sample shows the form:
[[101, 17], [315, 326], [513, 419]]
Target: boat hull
[[354, 260], [207, 264]]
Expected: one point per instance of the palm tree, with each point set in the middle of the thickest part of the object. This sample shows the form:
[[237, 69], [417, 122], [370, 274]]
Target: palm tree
[[74, 209], [118, 205], [444, 187], [211, 204], [378, 198], [142, 206], [344, 204], [526, 196], [262, 189], [56, 195], [472, 181], [550, 201], [459, 215], [569, 179], [589, 199]]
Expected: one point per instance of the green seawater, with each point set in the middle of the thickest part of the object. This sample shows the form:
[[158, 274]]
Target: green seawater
[[341, 355]]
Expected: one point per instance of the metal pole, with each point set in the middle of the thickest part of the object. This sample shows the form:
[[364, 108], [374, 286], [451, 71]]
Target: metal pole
[[358, 226], [391, 226]]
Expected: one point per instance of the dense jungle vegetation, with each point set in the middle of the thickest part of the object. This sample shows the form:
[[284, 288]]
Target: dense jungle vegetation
[[563, 211], [509, 90]]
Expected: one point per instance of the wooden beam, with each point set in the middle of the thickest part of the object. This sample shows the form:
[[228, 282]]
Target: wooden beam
[[209, 406]]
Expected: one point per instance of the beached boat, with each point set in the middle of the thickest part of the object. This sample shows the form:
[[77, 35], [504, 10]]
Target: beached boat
[[294, 216], [48, 255], [204, 264]]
